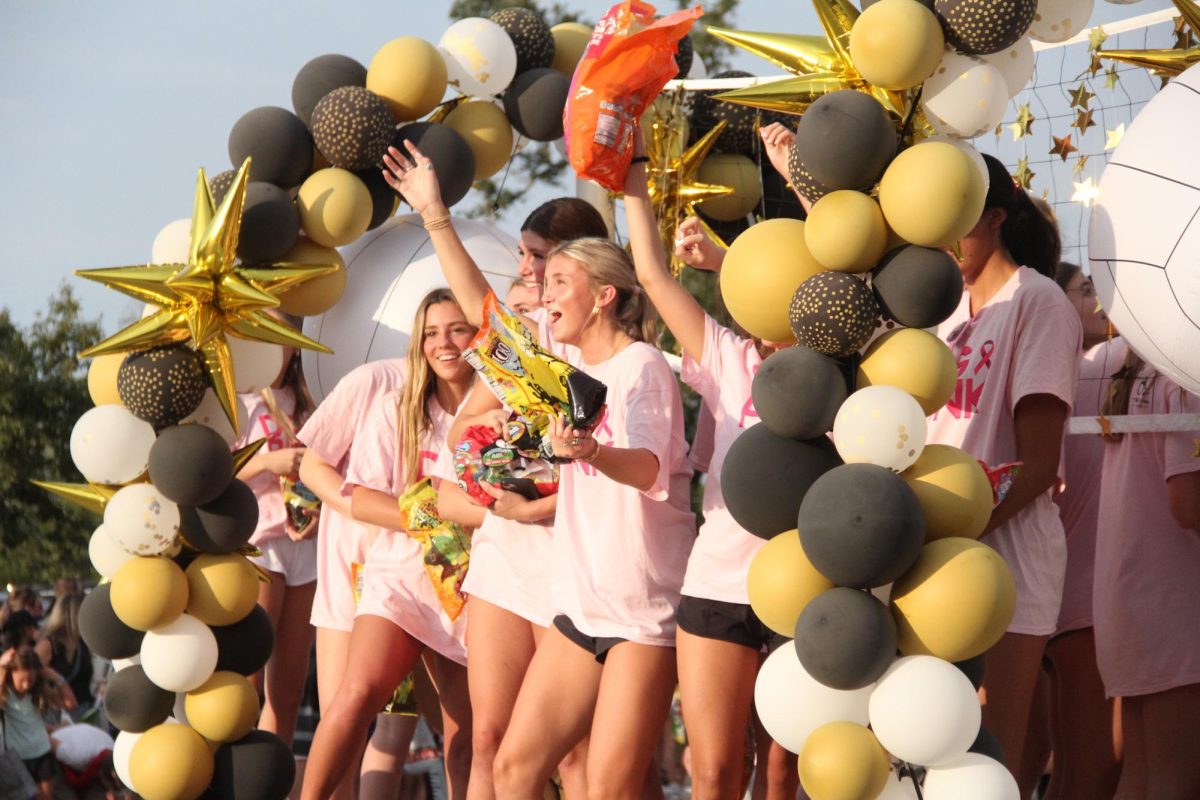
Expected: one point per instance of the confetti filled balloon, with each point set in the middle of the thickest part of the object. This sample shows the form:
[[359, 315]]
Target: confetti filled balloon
[[110, 445], [163, 385], [481, 59], [880, 425], [965, 97], [1059, 20], [833, 313], [142, 520], [531, 37], [352, 127]]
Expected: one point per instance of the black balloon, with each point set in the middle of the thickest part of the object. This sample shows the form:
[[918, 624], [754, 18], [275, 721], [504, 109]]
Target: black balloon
[[973, 668], [190, 464], [531, 36], [918, 286], [845, 638], [163, 385], [453, 161], [259, 766], [765, 476], [861, 526], [986, 744], [534, 103], [779, 199], [802, 179], [983, 27], [383, 197], [102, 630], [277, 141], [833, 313], [797, 392], [219, 184], [684, 55], [321, 76], [353, 127], [270, 224], [221, 525], [133, 703], [741, 122], [845, 140], [245, 646]]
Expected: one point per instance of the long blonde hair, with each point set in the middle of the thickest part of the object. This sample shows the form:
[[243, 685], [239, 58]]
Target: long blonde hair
[[606, 264], [62, 625], [412, 412]]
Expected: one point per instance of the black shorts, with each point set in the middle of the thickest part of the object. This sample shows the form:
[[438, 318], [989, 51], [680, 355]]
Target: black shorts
[[596, 645], [43, 768], [726, 622]]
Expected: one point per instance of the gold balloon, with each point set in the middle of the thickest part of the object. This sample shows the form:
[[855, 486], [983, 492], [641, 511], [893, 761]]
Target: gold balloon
[[335, 207], [487, 132], [913, 360], [761, 272], [410, 74], [739, 173], [171, 762], [932, 194], [1167, 62], [570, 41], [102, 379], [224, 708], [149, 592], [896, 44], [845, 231], [843, 761], [955, 602], [320, 295], [209, 297], [953, 490], [222, 589], [782, 581]]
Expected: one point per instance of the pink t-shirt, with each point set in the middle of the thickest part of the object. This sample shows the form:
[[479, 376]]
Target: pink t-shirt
[[330, 433], [619, 553], [1025, 341], [722, 554], [272, 518], [1079, 502], [1147, 596]]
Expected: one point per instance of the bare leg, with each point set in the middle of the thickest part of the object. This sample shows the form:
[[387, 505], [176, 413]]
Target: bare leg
[[287, 670], [716, 685], [451, 679], [1037, 736], [1086, 763], [1007, 694], [382, 654], [383, 760], [1161, 745], [332, 647], [271, 598]]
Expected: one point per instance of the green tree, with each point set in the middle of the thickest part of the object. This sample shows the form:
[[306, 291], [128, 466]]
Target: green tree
[[43, 391]]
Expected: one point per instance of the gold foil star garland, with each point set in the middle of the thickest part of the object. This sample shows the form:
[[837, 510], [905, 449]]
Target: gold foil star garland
[[1167, 62]]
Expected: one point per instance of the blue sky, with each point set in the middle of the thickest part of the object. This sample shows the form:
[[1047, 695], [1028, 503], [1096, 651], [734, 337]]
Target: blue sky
[[107, 110]]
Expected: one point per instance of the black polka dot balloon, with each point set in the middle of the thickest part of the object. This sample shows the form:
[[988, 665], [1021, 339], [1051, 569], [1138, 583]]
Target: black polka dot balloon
[[163, 385], [530, 35], [352, 127], [833, 313], [803, 181], [982, 27], [740, 134], [684, 55], [219, 184]]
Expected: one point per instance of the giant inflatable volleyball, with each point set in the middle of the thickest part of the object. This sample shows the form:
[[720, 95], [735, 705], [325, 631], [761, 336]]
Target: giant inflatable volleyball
[[1144, 238], [388, 271]]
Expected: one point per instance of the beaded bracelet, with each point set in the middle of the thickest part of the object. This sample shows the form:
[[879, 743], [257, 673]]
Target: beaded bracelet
[[438, 224]]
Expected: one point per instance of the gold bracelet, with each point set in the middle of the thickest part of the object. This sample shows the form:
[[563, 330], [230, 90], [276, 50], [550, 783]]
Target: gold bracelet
[[594, 456], [438, 224]]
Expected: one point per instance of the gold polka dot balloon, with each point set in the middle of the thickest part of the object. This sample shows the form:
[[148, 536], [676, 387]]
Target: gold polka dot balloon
[[982, 27], [530, 35], [163, 385], [352, 127], [803, 181], [219, 184], [833, 313]]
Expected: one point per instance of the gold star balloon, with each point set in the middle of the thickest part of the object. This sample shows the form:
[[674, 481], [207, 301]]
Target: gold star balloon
[[1167, 62], [211, 296], [91, 496]]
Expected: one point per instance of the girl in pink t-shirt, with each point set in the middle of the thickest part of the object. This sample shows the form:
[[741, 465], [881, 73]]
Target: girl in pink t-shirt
[[1146, 592], [622, 530], [511, 548], [288, 555], [400, 614], [329, 436], [1016, 341]]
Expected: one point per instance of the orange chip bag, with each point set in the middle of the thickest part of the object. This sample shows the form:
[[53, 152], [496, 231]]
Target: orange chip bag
[[628, 60]]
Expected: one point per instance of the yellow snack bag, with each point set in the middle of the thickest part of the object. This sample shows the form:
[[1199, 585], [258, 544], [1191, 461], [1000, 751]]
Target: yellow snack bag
[[446, 545]]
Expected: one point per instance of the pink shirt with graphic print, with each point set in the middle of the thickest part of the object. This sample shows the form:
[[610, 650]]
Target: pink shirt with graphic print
[[272, 518]]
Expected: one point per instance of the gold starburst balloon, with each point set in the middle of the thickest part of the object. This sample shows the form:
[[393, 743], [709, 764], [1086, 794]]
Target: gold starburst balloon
[[211, 296], [91, 496], [1167, 62]]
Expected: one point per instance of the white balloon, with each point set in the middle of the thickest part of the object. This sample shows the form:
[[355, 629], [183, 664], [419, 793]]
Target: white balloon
[[1059, 20], [971, 775], [180, 656], [970, 150], [121, 663], [122, 748], [965, 96], [925, 711], [110, 445], [210, 413], [792, 704], [480, 57], [1144, 234], [880, 425], [1015, 65], [698, 71], [898, 788], [256, 364], [140, 520], [105, 554], [172, 243], [390, 269]]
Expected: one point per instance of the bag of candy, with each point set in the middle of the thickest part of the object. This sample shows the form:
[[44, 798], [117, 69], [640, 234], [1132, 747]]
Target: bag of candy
[[628, 60], [447, 546], [513, 461]]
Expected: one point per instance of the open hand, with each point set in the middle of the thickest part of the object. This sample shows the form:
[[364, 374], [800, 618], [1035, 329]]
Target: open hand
[[570, 442], [777, 142], [694, 247], [413, 176]]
